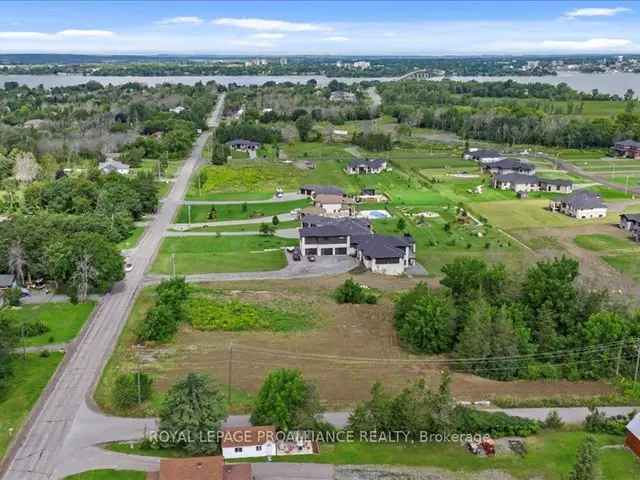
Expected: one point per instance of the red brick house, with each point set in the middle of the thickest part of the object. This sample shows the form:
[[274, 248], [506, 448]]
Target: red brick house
[[633, 435]]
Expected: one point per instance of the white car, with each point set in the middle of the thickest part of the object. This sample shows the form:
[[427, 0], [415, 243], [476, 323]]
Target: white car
[[128, 266]]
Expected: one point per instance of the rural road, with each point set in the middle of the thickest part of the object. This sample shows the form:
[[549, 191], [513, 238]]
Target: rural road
[[44, 445]]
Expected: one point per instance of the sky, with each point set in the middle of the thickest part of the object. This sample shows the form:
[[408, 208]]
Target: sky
[[320, 27]]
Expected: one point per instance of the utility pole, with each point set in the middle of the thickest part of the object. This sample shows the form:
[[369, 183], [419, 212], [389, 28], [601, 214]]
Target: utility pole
[[22, 340], [230, 367], [618, 360], [635, 376]]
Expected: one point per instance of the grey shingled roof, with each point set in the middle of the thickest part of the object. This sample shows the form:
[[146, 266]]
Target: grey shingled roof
[[556, 181], [323, 189], [633, 217], [627, 143], [482, 153], [382, 246], [582, 199], [374, 163], [241, 141], [517, 178], [350, 225], [511, 164]]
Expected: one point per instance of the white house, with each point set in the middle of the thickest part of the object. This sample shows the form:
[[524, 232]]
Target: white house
[[388, 255], [248, 442], [482, 155], [114, 166], [177, 110], [581, 204], [363, 167], [516, 182]]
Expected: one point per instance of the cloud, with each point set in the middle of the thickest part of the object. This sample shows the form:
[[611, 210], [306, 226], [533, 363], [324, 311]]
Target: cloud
[[268, 36], [269, 25], [71, 33], [181, 21], [586, 45], [596, 12], [336, 38]]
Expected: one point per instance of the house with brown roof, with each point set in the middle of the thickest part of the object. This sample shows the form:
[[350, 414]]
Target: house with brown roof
[[334, 204], [200, 468], [249, 442]]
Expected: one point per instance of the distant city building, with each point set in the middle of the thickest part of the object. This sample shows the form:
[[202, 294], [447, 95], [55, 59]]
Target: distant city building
[[362, 65], [283, 61], [342, 97]]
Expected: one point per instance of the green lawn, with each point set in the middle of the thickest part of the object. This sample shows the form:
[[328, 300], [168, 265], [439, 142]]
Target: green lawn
[[550, 455], [63, 319], [627, 264], [239, 211], [132, 240], [222, 254], [247, 227], [109, 475], [599, 242], [30, 376]]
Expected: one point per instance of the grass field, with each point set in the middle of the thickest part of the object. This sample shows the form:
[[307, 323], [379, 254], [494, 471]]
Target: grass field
[[550, 455], [516, 214], [247, 227], [29, 378], [240, 211], [109, 475], [602, 242], [63, 319], [627, 264], [222, 254], [132, 240]]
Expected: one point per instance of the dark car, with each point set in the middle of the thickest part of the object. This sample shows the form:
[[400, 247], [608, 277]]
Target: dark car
[[296, 255]]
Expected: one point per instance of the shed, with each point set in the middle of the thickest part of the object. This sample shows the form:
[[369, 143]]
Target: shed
[[633, 435]]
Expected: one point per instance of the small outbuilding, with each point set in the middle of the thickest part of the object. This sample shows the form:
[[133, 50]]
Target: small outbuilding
[[632, 440]]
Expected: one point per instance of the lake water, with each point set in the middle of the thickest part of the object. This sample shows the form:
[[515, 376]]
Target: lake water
[[613, 83]]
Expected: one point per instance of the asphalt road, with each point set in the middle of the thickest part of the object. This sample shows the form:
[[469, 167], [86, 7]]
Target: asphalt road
[[43, 446]]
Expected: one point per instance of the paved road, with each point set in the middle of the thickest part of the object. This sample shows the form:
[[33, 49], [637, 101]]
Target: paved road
[[286, 197], [44, 446]]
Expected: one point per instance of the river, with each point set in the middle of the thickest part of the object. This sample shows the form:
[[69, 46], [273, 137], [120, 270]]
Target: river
[[612, 83]]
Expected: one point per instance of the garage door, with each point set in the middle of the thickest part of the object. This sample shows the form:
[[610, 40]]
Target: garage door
[[341, 251], [326, 251]]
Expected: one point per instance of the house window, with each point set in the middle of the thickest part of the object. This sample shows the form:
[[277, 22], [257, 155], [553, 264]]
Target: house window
[[258, 448], [326, 251], [341, 251], [238, 449]]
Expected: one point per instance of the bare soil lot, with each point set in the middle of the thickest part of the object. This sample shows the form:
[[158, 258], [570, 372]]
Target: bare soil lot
[[348, 349]]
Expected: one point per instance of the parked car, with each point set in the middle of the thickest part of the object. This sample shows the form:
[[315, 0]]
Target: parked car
[[128, 267], [297, 255], [311, 258]]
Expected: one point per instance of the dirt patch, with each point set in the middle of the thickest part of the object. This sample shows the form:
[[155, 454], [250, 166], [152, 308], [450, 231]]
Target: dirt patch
[[594, 272], [349, 348]]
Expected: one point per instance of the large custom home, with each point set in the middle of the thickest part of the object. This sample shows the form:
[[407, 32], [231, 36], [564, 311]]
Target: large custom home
[[556, 185], [627, 148], [243, 145], [313, 190], [388, 255], [630, 221], [509, 165], [516, 182], [247, 442], [482, 155], [200, 468], [111, 165], [580, 204], [364, 167], [530, 183]]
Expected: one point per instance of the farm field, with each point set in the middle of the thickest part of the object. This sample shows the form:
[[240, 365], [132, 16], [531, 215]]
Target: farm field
[[221, 254], [239, 211], [29, 379], [324, 352], [64, 320]]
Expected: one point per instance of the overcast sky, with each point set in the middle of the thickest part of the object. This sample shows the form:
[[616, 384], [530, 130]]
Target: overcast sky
[[329, 27]]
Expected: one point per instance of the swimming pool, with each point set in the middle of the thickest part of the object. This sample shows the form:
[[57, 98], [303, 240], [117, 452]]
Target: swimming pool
[[374, 214]]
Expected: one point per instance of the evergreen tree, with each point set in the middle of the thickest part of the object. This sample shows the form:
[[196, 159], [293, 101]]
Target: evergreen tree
[[192, 413], [586, 461]]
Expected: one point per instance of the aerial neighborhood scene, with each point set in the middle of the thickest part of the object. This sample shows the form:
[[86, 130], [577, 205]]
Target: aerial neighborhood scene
[[319, 240]]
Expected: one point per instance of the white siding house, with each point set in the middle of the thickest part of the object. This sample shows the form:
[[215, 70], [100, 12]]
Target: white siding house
[[248, 442], [581, 204]]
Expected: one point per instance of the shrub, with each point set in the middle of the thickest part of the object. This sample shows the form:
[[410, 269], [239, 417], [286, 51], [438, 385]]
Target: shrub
[[598, 422], [496, 424], [131, 389], [33, 329], [12, 296], [159, 325], [353, 292], [553, 421]]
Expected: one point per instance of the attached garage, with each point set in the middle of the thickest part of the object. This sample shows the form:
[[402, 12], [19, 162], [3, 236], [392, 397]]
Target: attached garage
[[326, 252]]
